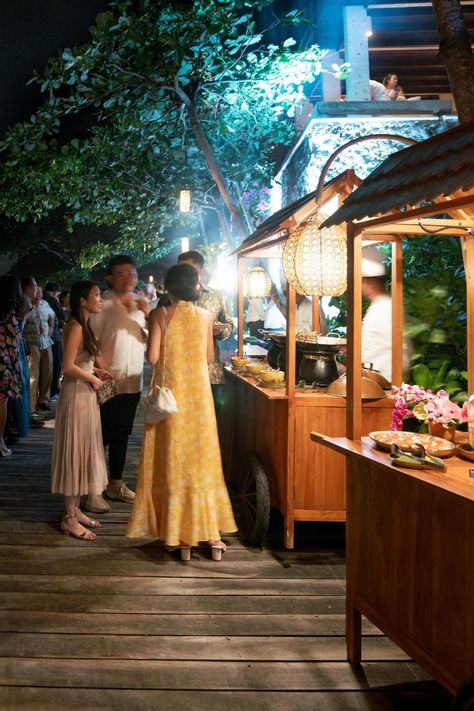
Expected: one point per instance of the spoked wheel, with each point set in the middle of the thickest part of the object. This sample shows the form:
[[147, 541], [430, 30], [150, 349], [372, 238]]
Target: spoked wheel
[[254, 500]]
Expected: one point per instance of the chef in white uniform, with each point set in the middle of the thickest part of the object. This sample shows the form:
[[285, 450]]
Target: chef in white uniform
[[377, 322]]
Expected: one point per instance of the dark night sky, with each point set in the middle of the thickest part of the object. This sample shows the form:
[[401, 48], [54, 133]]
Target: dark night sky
[[30, 32]]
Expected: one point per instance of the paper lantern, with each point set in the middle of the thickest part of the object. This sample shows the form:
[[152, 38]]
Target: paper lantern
[[314, 260], [257, 284], [185, 200]]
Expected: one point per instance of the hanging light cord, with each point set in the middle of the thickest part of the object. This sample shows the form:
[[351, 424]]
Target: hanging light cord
[[467, 230]]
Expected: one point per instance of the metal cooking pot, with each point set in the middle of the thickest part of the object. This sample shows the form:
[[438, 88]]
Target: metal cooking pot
[[281, 360], [319, 368], [370, 390], [369, 372]]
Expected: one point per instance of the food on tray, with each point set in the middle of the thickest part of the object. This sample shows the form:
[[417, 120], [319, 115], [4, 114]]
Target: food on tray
[[272, 376], [239, 361], [315, 337], [409, 440], [256, 368], [307, 336]]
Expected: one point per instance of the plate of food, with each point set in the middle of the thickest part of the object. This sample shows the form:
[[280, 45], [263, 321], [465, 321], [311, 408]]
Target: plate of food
[[239, 362], [407, 441], [465, 451]]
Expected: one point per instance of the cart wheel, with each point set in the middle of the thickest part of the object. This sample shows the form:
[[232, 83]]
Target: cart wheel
[[254, 500], [464, 699]]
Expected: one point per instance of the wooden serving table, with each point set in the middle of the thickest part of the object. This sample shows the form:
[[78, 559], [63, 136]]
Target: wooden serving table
[[410, 558], [305, 482]]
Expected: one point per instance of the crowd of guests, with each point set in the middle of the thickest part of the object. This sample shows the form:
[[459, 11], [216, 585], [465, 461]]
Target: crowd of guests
[[181, 495], [31, 320]]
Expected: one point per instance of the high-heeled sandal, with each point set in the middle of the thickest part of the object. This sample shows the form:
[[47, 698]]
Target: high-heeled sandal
[[84, 536], [184, 549], [89, 522], [4, 451], [217, 549]]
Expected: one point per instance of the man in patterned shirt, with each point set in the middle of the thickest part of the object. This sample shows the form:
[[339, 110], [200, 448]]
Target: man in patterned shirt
[[213, 301]]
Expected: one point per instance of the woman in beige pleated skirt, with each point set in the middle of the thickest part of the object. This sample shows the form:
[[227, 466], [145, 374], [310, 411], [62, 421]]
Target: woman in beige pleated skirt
[[78, 464]]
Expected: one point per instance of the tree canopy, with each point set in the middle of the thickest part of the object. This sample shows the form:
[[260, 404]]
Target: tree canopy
[[165, 94]]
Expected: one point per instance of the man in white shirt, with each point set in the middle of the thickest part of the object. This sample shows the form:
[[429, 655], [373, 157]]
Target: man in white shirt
[[304, 313], [255, 317], [377, 91], [119, 329], [377, 322]]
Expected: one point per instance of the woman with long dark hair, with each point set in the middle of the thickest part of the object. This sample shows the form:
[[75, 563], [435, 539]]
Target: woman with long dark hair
[[78, 466], [181, 495], [10, 377]]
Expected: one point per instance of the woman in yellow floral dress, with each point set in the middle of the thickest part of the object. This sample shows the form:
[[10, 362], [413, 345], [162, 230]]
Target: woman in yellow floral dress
[[181, 495]]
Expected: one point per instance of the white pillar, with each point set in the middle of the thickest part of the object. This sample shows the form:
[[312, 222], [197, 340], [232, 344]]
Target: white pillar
[[356, 49], [331, 85]]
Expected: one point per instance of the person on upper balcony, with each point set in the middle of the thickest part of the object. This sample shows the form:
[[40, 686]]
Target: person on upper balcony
[[393, 88], [377, 91]]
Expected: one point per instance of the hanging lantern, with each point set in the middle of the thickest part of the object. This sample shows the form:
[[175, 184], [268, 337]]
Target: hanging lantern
[[185, 200], [314, 260], [257, 284], [184, 244]]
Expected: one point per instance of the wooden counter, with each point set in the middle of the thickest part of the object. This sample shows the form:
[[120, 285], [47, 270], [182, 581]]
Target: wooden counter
[[306, 482], [410, 558]]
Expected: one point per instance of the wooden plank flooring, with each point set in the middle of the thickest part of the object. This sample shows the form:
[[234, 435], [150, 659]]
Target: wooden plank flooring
[[120, 624]]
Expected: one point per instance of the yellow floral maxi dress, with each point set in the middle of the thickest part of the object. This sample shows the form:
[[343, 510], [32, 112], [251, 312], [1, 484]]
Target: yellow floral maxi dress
[[181, 494]]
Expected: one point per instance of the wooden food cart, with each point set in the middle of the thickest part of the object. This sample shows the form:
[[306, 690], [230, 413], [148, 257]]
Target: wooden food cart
[[410, 534], [265, 433]]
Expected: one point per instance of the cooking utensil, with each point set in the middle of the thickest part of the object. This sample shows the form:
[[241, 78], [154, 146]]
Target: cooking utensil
[[369, 372], [418, 458], [370, 390]]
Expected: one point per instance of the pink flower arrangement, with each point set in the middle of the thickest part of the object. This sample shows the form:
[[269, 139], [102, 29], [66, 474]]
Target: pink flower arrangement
[[440, 409], [406, 398], [426, 406]]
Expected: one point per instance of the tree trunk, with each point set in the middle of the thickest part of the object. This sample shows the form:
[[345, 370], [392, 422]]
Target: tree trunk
[[456, 53], [211, 161]]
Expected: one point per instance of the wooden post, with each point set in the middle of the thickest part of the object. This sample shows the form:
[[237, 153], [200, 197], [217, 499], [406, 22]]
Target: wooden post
[[354, 321], [397, 312], [290, 391], [240, 305], [467, 243], [315, 315]]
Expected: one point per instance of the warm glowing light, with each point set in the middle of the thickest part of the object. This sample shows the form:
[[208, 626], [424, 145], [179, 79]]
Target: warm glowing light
[[314, 260], [150, 279], [185, 244], [185, 200], [224, 276], [257, 284]]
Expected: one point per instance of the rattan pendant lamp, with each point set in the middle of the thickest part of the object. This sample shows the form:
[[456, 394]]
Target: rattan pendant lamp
[[314, 259]]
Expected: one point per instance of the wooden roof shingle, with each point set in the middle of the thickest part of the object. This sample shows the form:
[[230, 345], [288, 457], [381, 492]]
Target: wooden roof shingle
[[436, 167]]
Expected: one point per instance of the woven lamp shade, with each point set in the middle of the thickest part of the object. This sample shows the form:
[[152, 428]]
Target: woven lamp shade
[[314, 260], [257, 284]]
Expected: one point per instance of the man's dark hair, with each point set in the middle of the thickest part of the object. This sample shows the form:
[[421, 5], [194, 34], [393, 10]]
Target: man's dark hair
[[194, 256], [119, 260], [27, 281], [52, 286]]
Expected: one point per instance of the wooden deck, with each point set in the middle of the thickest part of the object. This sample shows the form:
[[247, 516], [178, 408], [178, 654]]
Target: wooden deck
[[119, 625]]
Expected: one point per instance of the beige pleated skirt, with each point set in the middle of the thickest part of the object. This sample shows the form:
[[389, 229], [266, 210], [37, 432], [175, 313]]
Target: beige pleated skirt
[[78, 462]]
